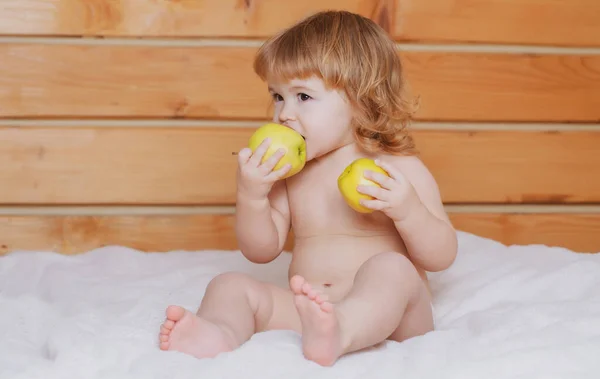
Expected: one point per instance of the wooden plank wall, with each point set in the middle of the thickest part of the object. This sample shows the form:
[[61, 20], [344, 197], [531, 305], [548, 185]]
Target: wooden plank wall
[[118, 117]]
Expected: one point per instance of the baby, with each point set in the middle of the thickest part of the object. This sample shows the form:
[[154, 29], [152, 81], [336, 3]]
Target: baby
[[355, 279]]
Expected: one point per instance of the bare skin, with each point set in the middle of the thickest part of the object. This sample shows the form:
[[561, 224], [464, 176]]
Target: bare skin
[[353, 282]]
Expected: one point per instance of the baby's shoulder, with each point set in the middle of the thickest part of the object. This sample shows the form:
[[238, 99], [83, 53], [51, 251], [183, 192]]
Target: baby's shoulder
[[414, 170], [409, 165]]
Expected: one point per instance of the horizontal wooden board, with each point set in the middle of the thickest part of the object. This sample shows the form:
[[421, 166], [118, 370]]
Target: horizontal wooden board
[[578, 232], [160, 233], [569, 23], [76, 234], [217, 82], [562, 22], [162, 165]]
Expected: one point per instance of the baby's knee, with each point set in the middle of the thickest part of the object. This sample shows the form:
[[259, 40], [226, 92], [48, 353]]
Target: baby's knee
[[229, 280], [394, 262]]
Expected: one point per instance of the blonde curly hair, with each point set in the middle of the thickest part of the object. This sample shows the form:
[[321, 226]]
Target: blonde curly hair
[[353, 54]]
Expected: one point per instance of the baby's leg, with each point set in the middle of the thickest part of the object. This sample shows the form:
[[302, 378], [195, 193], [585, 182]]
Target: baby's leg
[[388, 299], [234, 307]]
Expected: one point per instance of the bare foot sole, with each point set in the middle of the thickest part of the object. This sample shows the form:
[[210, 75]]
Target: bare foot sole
[[185, 332], [321, 342]]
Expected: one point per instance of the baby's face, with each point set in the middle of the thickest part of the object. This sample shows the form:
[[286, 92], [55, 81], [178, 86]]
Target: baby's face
[[322, 116]]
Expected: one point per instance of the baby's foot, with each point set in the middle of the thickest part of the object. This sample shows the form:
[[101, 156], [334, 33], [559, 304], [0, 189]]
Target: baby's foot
[[321, 341], [185, 332]]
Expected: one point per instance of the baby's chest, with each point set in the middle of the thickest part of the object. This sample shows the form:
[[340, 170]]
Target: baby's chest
[[316, 202], [322, 201]]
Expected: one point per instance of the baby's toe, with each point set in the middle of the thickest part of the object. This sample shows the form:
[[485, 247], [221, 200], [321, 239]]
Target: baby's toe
[[306, 288], [296, 284], [168, 324], [326, 307], [174, 314]]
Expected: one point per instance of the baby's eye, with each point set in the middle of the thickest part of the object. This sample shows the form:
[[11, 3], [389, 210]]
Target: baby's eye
[[277, 97], [303, 96]]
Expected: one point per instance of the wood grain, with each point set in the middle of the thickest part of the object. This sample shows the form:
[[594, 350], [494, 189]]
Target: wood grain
[[129, 81], [160, 233], [119, 165], [561, 22], [168, 165], [568, 23], [104, 81], [578, 232], [516, 166], [76, 234]]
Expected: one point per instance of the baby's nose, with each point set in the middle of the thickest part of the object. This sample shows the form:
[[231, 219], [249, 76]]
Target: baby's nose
[[286, 114]]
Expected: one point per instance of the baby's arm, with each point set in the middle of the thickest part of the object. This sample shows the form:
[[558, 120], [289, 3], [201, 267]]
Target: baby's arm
[[427, 231], [262, 225]]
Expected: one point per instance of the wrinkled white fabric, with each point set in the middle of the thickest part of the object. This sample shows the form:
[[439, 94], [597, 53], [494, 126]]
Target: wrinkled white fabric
[[500, 312]]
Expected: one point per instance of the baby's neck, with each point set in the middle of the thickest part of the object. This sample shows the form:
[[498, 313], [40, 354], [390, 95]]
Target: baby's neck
[[344, 153]]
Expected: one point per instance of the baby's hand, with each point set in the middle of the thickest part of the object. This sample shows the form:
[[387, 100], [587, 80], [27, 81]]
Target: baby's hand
[[396, 197], [255, 179]]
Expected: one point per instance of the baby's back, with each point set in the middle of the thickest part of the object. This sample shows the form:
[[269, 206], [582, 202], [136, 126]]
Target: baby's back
[[331, 239]]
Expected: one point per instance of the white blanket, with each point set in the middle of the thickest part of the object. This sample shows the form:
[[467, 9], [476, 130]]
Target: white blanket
[[501, 312]]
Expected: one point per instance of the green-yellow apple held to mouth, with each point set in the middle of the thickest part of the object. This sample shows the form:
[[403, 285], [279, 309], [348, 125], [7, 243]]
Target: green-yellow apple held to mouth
[[285, 138], [352, 177]]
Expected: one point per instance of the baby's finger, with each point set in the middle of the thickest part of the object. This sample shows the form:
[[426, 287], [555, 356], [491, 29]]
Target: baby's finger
[[375, 205], [260, 152], [374, 191], [381, 179], [270, 163], [244, 155], [280, 173], [395, 173]]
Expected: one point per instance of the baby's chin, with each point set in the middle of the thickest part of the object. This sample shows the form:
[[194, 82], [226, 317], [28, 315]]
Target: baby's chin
[[312, 155]]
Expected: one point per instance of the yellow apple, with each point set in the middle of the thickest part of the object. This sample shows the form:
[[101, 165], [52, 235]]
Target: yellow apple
[[352, 177], [285, 138]]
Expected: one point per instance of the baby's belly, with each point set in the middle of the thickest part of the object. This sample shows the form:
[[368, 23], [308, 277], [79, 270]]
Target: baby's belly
[[330, 262]]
